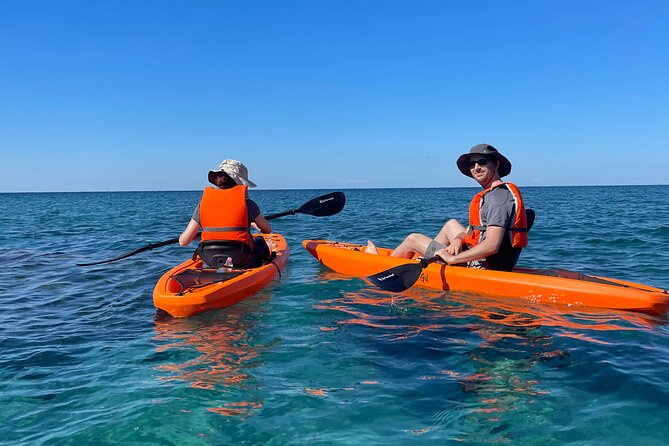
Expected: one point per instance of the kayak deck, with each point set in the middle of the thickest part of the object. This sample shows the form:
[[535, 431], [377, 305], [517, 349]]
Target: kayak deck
[[561, 287], [188, 289]]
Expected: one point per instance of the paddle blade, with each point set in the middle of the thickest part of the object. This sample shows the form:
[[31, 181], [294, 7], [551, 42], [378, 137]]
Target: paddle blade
[[325, 205], [397, 279]]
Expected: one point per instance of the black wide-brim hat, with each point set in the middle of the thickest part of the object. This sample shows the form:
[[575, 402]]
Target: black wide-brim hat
[[490, 152]]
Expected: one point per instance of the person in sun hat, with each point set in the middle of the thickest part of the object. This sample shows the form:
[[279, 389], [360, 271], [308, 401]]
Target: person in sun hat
[[233, 169], [497, 229], [225, 215]]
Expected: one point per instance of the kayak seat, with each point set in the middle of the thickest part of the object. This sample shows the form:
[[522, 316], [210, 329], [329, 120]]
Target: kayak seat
[[530, 214], [214, 253]]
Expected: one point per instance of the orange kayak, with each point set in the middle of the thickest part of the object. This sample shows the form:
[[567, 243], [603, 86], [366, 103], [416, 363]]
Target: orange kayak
[[560, 287], [188, 289]]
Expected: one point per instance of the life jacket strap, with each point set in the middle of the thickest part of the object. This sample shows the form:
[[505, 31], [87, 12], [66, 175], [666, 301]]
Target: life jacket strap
[[226, 229], [483, 229]]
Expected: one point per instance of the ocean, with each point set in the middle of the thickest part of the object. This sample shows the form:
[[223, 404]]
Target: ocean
[[318, 357]]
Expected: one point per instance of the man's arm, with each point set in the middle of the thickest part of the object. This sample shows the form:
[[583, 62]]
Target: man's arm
[[489, 246]]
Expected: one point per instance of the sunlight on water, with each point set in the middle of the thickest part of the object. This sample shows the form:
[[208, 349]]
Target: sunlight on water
[[318, 357]]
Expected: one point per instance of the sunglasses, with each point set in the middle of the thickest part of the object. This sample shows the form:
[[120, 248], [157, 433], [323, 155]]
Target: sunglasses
[[482, 162]]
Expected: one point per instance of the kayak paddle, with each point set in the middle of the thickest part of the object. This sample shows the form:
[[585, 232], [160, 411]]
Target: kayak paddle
[[325, 205], [322, 206], [401, 278]]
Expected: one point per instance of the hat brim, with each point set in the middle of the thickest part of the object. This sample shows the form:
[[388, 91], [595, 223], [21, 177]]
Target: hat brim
[[247, 183], [237, 179], [504, 163]]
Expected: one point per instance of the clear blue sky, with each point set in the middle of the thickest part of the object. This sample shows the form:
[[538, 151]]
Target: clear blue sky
[[150, 95]]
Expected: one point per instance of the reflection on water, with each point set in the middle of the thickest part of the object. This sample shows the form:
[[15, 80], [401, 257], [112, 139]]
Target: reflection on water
[[494, 349], [223, 342], [496, 310], [80, 358], [502, 380]]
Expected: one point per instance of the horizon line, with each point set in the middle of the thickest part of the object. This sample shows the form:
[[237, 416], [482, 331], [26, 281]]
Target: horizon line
[[313, 188]]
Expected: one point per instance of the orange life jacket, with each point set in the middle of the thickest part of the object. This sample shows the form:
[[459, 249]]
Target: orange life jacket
[[224, 215], [518, 227]]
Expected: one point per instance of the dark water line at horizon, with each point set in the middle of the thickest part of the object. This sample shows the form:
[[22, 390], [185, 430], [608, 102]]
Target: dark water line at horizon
[[260, 189]]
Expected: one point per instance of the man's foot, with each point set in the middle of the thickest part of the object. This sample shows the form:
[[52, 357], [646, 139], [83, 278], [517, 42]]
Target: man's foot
[[271, 245], [371, 248]]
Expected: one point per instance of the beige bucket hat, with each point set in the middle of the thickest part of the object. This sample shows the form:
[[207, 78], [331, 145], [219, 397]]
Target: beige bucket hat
[[235, 170]]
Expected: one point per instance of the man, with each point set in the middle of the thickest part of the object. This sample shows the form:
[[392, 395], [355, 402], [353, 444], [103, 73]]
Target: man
[[497, 229]]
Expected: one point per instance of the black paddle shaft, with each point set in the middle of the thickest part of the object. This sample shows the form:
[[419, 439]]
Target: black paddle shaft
[[148, 247]]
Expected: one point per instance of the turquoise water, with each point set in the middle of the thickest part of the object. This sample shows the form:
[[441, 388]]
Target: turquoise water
[[317, 357]]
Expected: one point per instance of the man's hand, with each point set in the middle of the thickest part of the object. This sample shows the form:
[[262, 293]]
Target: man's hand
[[455, 247], [446, 256]]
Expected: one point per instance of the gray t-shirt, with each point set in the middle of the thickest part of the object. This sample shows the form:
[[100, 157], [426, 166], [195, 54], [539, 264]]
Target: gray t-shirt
[[252, 209], [499, 209]]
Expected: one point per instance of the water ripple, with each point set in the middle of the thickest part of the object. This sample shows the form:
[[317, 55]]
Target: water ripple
[[319, 357]]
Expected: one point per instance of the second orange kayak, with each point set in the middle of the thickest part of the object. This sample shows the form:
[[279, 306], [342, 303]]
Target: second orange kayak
[[561, 287], [188, 289]]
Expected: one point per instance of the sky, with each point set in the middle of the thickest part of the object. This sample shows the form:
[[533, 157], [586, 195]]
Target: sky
[[317, 94]]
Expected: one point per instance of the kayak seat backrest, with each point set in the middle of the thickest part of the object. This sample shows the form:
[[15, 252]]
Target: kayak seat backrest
[[530, 218], [214, 253]]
